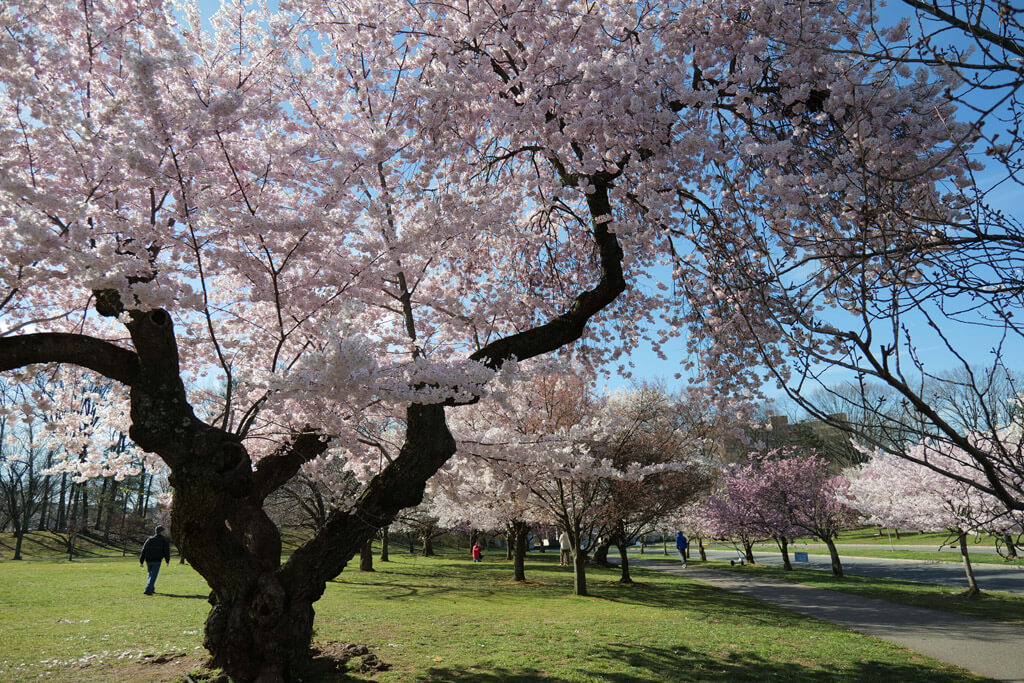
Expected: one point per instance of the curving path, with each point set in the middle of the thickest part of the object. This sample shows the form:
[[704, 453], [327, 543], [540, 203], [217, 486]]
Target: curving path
[[1006, 578], [986, 648]]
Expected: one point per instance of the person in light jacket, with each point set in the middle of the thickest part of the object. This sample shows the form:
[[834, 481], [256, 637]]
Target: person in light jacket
[[565, 559]]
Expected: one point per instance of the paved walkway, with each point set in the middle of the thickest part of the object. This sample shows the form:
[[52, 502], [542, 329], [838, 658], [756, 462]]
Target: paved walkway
[[983, 647], [990, 577]]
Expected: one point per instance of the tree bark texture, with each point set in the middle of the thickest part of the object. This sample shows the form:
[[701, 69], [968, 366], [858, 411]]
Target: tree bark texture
[[601, 553], [366, 556], [579, 572], [519, 532], [1011, 547], [972, 583], [624, 576], [19, 535], [748, 552], [837, 565], [784, 548]]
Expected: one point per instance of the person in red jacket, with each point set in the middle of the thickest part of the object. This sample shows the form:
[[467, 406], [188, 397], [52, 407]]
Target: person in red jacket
[[478, 552]]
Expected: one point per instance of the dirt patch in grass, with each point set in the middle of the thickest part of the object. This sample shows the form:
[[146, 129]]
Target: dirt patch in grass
[[329, 662], [163, 668]]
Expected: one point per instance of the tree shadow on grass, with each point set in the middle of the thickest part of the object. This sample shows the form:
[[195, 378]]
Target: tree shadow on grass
[[669, 595], [174, 595], [684, 664]]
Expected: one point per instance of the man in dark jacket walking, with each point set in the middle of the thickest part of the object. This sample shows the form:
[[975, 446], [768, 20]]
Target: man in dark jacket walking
[[156, 548]]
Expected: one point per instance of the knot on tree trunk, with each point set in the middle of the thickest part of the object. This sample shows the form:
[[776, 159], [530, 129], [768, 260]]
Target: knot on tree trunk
[[268, 603]]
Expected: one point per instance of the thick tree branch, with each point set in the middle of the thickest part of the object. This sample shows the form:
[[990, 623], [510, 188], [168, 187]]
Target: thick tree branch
[[427, 447], [977, 30], [111, 361], [278, 468], [568, 327]]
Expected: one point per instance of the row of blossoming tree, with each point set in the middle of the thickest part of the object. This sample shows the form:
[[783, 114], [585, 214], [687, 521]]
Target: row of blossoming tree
[[784, 494], [552, 453]]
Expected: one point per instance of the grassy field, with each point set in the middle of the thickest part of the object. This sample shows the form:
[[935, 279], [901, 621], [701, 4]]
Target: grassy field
[[442, 619], [870, 534]]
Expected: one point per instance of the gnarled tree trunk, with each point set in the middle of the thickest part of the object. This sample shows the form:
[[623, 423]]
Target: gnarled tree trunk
[[261, 621]]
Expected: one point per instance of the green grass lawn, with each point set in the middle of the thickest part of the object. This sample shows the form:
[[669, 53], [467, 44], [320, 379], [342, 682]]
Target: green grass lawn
[[871, 534], [47, 545], [443, 619]]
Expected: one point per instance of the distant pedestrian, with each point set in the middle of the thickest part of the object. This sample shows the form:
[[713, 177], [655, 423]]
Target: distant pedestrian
[[478, 552], [681, 545], [565, 545], [156, 548]]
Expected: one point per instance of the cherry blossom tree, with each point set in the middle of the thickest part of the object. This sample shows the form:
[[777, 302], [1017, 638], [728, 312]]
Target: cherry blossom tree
[[653, 428], [742, 506], [697, 522], [22, 461], [890, 275], [540, 440], [266, 226], [486, 495], [893, 491], [804, 491], [724, 518], [780, 494]]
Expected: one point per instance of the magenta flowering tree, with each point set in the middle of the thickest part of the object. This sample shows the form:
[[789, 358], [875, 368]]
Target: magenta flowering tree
[[780, 494], [802, 490], [268, 227], [727, 513]]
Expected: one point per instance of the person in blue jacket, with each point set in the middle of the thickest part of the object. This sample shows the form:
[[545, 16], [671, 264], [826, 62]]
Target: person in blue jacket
[[681, 545]]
